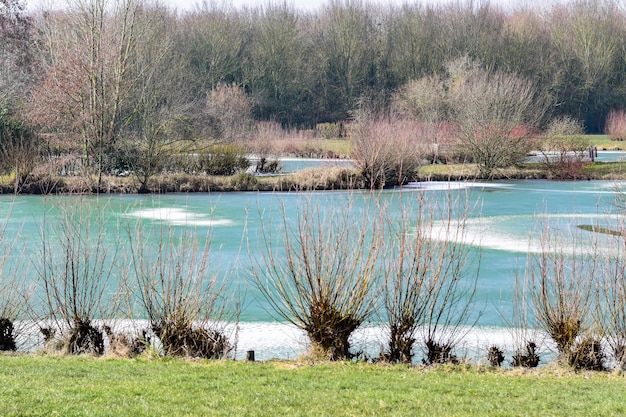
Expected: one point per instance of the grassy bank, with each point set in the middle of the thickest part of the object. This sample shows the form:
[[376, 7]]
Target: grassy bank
[[43, 386]]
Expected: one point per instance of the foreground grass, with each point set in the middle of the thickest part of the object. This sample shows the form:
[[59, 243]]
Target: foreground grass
[[39, 385]]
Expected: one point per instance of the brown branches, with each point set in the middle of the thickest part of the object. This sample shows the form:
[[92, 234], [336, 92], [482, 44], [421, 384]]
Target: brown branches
[[323, 281]]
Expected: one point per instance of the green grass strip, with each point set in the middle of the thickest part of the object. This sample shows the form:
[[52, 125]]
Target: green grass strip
[[47, 386], [599, 229]]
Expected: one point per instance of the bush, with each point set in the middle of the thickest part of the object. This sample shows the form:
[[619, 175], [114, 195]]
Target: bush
[[7, 338], [587, 355], [331, 130], [180, 339], [229, 113], [527, 358], [495, 356], [224, 159], [565, 149], [615, 125], [185, 305], [84, 338], [387, 152], [323, 280]]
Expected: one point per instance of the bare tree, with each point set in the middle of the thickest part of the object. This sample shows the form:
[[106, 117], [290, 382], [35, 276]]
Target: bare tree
[[162, 113], [320, 273], [175, 285], [85, 56], [432, 278], [496, 114], [16, 291], [562, 280], [75, 266]]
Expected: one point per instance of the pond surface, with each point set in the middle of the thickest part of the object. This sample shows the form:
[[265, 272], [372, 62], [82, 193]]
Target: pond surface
[[504, 222]]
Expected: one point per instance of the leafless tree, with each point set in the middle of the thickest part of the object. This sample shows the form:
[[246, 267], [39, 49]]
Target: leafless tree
[[75, 265], [496, 114], [173, 279], [84, 58], [562, 280], [432, 278], [162, 113], [321, 271], [16, 291]]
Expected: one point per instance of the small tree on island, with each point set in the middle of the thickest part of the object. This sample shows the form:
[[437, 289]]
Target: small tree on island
[[496, 113]]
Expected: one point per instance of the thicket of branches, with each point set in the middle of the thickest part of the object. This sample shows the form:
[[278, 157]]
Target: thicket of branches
[[117, 87]]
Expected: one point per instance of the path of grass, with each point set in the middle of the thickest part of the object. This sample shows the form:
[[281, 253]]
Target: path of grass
[[45, 386]]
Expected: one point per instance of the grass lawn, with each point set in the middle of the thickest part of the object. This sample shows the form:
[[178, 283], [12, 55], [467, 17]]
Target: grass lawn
[[605, 143], [46, 386]]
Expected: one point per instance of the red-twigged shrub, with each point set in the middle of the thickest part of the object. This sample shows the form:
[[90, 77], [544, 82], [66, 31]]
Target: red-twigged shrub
[[615, 125]]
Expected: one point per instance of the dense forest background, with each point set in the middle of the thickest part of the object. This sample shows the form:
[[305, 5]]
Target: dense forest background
[[101, 72]]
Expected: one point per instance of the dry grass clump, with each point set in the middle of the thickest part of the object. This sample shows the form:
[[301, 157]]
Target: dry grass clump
[[332, 178]]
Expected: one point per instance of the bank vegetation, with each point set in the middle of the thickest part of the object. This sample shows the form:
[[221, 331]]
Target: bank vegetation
[[133, 96]]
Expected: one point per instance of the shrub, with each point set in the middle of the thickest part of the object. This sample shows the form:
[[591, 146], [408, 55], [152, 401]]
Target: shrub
[[565, 149], [587, 355], [526, 358], [387, 152], [84, 338], [226, 159], [430, 286], [185, 305], [495, 356], [615, 125], [75, 268], [7, 337], [329, 130], [322, 282]]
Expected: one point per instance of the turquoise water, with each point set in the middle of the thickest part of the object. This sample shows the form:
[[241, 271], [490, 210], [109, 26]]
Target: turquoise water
[[504, 223]]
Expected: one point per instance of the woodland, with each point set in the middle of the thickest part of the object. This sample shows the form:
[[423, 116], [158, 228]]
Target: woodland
[[134, 87]]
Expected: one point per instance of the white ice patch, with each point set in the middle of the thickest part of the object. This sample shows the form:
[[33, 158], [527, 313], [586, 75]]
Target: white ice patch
[[179, 217], [453, 185], [521, 233]]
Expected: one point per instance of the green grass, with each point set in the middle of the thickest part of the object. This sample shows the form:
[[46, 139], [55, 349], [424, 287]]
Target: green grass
[[337, 146], [44, 386], [604, 142]]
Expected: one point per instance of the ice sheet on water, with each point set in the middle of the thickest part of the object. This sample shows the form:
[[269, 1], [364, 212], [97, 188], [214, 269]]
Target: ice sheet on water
[[179, 217], [453, 185], [521, 233]]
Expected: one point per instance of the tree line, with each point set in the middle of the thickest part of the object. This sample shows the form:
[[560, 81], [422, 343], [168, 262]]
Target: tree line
[[114, 79]]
